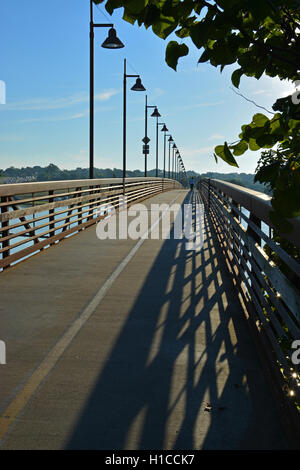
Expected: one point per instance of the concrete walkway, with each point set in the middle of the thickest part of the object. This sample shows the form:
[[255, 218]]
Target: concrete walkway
[[121, 344]]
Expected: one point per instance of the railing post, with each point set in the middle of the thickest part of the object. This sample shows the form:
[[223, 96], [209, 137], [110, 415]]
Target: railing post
[[79, 211], [237, 233], [208, 196], [51, 216], [5, 233], [255, 220], [90, 212]]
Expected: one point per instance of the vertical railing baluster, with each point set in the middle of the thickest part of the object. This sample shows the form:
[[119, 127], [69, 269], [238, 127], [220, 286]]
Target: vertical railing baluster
[[79, 210], [255, 220], [5, 233], [236, 214], [90, 212], [51, 216]]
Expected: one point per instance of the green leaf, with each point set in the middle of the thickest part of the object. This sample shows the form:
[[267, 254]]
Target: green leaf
[[253, 144], [151, 15], [260, 119], [236, 77], [275, 125], [239, 148], [266, 141], [164, 27], [222, 54], [224, 152], [182, 33], [201, 32], [173, 52], [204, 57], [129, 17], [196, 35], [280, 223], [111, 5], [136, 6], [246, 132], [267, 173], [286, 201], [294, 124]]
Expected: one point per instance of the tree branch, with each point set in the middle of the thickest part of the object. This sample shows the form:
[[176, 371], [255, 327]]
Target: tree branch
[[250, 101]]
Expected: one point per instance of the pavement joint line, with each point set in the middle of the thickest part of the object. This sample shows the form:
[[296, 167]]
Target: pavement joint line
[[39, 375]]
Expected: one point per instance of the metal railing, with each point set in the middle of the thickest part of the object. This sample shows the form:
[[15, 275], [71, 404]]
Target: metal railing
[[268, 277], [34, 216]]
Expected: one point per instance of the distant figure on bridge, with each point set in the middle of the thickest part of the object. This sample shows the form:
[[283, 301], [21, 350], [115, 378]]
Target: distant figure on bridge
[[192, 183]]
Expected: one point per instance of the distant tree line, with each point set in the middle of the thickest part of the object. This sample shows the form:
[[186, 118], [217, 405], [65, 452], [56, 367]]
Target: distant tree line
[[241, 179], [54, 173]]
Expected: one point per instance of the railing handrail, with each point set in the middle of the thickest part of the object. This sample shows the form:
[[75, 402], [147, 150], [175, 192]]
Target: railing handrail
[[38, 215], [259, 204], [40, 186], [267, 277]]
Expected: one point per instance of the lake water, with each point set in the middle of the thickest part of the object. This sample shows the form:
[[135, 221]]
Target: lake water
[[35, 226], [73, 219]]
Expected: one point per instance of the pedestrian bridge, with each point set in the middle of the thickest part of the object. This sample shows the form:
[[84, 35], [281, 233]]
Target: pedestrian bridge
[[146, 342]]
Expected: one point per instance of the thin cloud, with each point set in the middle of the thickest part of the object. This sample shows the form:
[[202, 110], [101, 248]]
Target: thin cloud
[[273, 87], [156, 93], [201, 105], [46, 104], [193, 70], [216, 137], [55, 118], [105, 95], [69, 117], [199, 151]]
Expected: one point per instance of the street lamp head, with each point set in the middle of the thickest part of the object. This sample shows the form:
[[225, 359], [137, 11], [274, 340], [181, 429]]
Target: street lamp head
[[174, 146], [155, 113], [164, 128], [112, 41], [138, 86], [170, 139]]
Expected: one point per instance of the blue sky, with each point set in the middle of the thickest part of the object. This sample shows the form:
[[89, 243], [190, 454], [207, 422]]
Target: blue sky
[[45, 65]]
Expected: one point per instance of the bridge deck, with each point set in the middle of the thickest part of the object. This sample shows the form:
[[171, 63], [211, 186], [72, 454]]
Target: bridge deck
[[109, 351]]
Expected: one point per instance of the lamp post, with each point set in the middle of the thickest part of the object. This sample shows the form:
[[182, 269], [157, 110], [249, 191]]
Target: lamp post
[[157, 124], [173, 159], [180, 168], [170, 140], [111, 42], [138, 86], [164, 129], [157, 115], [146, 139], [177, 165]]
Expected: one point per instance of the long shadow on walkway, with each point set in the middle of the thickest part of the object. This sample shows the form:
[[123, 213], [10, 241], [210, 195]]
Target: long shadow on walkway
[[204, 353]]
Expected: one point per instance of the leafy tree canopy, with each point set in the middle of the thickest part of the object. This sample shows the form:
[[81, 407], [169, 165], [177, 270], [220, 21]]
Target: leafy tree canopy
[[260, 36]]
